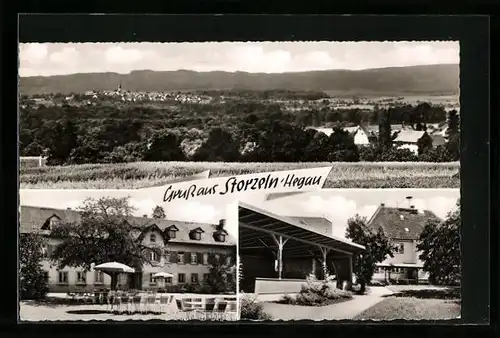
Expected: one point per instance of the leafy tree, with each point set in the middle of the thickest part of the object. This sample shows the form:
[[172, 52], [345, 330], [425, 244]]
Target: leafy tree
[[316, 149], [164, 146], [440, 248], [377, 246], [32, 279], [453, 134], [384, 129], [63, 142], [220, 146], [217, 280], [342, 147], [102, 235], [159, 212]]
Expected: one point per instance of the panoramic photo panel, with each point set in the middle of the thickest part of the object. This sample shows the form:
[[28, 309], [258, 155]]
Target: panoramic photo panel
[[349, 254], [137, 161]]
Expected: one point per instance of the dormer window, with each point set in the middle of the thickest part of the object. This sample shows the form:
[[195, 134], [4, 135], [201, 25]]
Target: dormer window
[[51, 222], [152, 238], [171, 231], [196, 234], [220, 236]]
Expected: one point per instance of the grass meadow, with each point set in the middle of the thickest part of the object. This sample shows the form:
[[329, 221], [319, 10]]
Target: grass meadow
[[149, 174]]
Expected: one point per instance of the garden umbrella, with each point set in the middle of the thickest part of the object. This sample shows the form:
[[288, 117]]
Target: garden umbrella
[[162, 275], [113, 269]]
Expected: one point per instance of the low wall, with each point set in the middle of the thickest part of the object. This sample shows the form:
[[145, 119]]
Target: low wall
[[272, 286]]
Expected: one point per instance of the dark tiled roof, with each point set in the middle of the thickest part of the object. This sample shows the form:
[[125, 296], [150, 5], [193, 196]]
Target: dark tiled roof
[[409, 226], [33, 218]]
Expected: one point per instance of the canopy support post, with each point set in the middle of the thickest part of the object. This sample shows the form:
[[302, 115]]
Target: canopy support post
[[280, 243]]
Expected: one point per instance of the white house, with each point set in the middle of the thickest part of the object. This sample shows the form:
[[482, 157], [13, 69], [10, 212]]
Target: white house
[[409, 139], [184, 248], [403, 226]]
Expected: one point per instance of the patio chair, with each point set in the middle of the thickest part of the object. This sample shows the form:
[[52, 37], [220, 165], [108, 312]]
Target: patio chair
[[137, 302], [232, 310], [220, 309], [125, 301], [209, 308], [165, 301], [151, 302]]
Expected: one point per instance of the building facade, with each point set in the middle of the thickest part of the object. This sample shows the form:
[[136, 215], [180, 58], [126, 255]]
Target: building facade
[[185, 255], [403, 226]]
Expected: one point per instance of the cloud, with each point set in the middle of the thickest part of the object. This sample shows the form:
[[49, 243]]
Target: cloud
[[33, 53], [119, 55], [270, 57]]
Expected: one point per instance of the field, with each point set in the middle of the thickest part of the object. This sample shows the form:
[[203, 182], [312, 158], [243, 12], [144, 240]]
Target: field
[[148, 174]]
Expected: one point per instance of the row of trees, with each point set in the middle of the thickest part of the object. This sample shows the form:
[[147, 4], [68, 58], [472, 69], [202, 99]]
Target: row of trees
[[247, 139], [101, 236], [439, 244]]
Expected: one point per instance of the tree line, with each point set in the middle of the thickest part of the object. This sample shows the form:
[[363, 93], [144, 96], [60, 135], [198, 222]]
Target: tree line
[[252, 132]]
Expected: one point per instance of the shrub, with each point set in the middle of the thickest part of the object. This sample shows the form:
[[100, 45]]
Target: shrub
[[317, 293], [394, 154], [32, 280], [251, 309]]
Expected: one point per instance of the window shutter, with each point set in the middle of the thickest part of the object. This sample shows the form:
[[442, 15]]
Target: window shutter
[[173, 257], [199, 257], [187, 257]]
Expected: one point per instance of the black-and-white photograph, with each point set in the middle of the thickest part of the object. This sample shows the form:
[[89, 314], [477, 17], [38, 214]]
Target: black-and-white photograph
[[108, 115], [100, 124], [349, 254], [109, 257]]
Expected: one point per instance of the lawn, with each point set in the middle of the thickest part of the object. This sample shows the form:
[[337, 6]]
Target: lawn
[[411, 308], [148, 174], [416, 303]]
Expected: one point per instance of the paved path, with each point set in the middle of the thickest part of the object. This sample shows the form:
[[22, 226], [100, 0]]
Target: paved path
[[345, 310]]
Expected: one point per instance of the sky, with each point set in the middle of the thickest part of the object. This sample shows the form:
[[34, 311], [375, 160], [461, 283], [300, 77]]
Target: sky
[[337, 205], [268, 57]]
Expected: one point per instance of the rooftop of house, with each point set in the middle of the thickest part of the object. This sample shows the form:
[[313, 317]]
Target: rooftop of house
[[438, 140], [37, 219], [409, 136], [401, 223]]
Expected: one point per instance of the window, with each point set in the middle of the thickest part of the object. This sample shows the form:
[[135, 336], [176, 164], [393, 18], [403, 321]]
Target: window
[[194, 278], [63, 277], [152, 238], [205, 276], [194, 258], [167, 256], [81, 277], [99, 277], [151, 279], [171, 233], [168, 280], [46, 275], [182, 278], [53, 221], [196, 235], [205, 259], [180, 257], [154, 256], [401, 248]]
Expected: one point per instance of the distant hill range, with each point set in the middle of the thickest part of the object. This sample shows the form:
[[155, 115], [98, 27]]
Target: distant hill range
[[413, 80]]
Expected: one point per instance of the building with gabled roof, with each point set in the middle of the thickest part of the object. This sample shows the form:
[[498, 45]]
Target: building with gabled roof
[[410, 139], [403, 226], [184, 248]]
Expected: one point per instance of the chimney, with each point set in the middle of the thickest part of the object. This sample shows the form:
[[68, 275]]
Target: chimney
[[382, 204], [222, 224], [145, 216], [412, 206], [68, 208]]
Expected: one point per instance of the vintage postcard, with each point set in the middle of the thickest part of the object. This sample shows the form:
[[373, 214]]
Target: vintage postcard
[[155, 178]]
